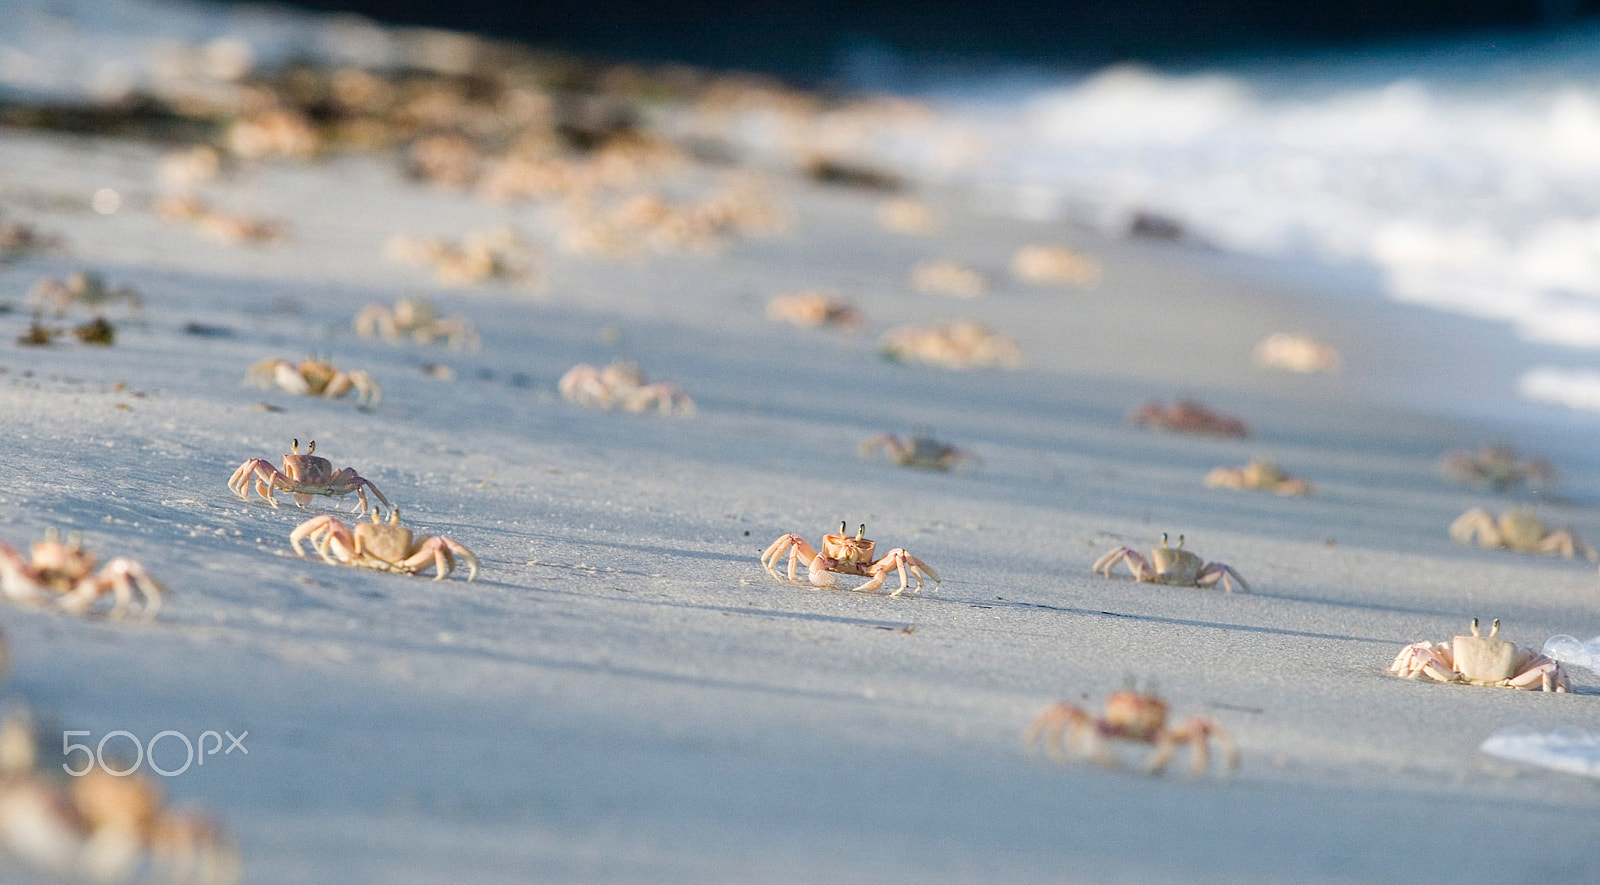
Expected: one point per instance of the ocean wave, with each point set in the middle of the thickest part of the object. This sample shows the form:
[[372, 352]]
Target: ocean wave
[[1574, 651], [1567, 750]]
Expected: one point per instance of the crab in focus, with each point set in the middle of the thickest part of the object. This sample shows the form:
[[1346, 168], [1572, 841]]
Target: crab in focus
[[83, 287], [920, 451], [622, 386], [961, 345], [844, 555], [1136, 717], [813, 308], [1186, 416], [385, 547], [1296, 353], [302, 476], [1481, 660], [100, 825], [417, 318], [63, 573], [1173, 566], [1497, 467], [1517, 529], [1262, 474], [315, 377]]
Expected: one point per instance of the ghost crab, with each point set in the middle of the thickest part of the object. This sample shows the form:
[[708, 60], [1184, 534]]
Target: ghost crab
[[622, 385], [1174, 566], [1187, 416], [315, 377], [920, 451], [64, 573], [302, 476], [1261, 474], [385, 547], [1481, 660], [1137, 717], [1520, 530], [844, 555]]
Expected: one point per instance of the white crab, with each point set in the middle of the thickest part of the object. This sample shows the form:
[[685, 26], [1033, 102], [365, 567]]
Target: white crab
[[302, 476], [1481, 660], [1171, 565], [622, 385], [419, 319], [845, 555], [1520, 530], [64, 574], [314, 377], [385, 547]]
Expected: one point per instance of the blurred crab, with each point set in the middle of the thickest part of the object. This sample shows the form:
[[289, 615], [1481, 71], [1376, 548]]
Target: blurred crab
[[1497, 467], [417, 318], [813, 308], [1517, 529], [842, 554], [1174, 566], [920, 451], [1481, 660], [1296, 353], [315, 377], [386, 547], [1055, 264], [84, 287], [1262, 474], [1137, 717], [100, 825], [622, 385], [1186, 416], [961, 345], [302, 476], [64, 574], [948, 277]]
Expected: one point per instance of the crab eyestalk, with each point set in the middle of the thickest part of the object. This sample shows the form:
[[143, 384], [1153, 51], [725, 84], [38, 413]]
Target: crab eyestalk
[[862, 534], [844, 527]]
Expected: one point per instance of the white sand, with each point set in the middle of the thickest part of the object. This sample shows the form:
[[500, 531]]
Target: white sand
[[625, 695]]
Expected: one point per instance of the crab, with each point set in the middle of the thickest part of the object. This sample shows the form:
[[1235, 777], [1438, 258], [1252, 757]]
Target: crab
[[920, 451], [385, 547], [1261, 473], [315, 377], [1055, 264], [622, 385], [1136, 717], [961, 345], [1173, 566], [63, 574], [844, 555], [100, 824], [813, 308], [84, 287], [1296, 353], [948, 277], [1517, 529], [303, 476], [1481, 660], [417, 318], [1498, 467], [1187, 416]]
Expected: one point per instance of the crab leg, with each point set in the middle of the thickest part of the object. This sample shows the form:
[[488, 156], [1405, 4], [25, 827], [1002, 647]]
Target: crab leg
[[466, 555], [796, 547], [1220, 571]]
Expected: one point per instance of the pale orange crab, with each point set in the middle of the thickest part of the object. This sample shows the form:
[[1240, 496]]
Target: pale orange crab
[[385, 547], [844, 555], [1520, 530], [1261, 474], [64, 573], [302, 476], [622, 385], [1481, 660], [920, 451], [1137, 717], [1174, 566], [315, 377]]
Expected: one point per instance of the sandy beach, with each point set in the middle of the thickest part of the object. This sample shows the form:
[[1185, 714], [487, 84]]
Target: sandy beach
[[624, 694]]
